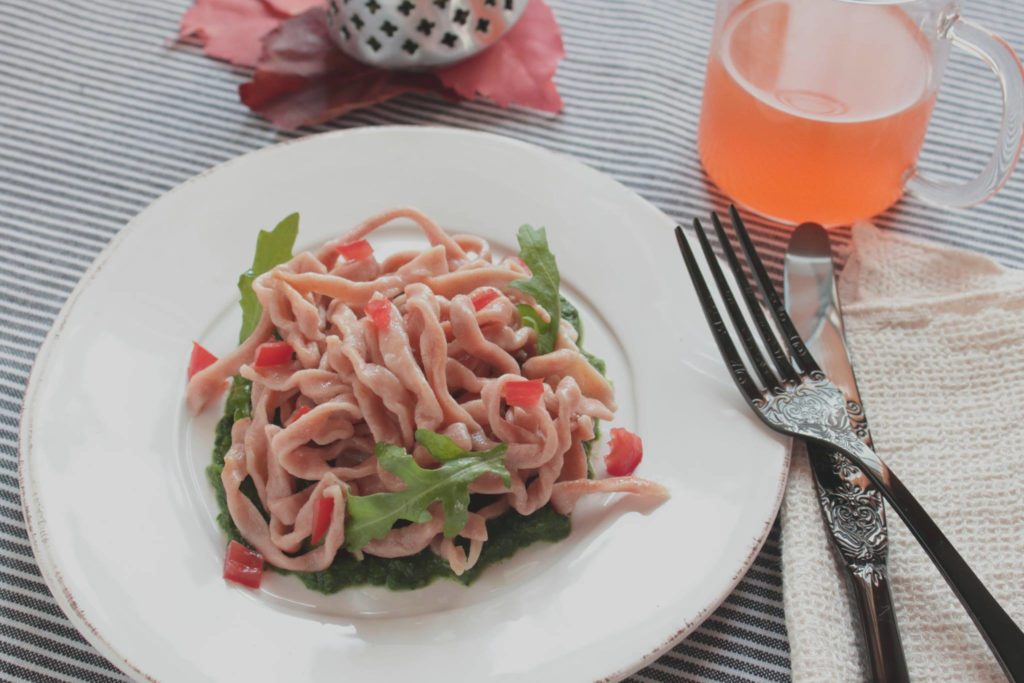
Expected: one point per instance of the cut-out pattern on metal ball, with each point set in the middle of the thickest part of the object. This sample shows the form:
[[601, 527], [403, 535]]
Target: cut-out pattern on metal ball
[[418, 34]]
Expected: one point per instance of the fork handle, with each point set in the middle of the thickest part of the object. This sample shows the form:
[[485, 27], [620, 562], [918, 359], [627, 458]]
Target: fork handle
[[1003, 636]]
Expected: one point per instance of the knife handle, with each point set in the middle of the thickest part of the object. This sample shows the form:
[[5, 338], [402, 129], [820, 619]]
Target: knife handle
[[1004, 637], [862, 549], [878, 619]]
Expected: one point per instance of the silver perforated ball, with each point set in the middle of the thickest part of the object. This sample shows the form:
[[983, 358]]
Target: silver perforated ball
[[417, 34]]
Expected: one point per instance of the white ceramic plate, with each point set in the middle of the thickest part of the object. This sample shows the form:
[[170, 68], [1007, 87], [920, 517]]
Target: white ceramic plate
[[121, 518]]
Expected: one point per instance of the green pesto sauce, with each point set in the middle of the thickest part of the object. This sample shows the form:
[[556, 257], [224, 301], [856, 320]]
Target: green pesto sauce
[[505, 535]]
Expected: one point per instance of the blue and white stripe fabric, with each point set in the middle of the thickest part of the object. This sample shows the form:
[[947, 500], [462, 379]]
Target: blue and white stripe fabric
[[100, 114]]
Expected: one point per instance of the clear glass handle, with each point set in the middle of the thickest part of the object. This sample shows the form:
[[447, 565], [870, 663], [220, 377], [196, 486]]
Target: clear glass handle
[[1000, 57]]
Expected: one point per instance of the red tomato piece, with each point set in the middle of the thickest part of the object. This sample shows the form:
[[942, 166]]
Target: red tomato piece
[[627, 450], [354, 251], [272, 353], [484, 297], [302, 410], [379, 311], [322, 518], [524, 393], [243, 566], [200, 359]]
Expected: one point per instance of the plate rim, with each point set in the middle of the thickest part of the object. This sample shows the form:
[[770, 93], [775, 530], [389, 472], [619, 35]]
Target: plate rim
[[33, 510]]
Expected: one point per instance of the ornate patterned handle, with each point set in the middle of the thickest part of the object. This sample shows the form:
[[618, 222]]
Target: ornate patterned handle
[[852, 508], [855, 517]]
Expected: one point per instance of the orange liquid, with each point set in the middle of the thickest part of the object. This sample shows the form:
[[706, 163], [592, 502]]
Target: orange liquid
[[815, 110]]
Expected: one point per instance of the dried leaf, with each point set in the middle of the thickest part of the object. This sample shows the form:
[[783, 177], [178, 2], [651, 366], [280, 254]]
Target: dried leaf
[[303, 79], [230, 29]]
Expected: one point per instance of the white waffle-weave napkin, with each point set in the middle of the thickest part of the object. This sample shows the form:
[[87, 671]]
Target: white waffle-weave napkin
[[937, 339]]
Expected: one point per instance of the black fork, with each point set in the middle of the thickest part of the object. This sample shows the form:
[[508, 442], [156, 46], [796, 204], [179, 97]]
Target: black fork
[[792, 396]]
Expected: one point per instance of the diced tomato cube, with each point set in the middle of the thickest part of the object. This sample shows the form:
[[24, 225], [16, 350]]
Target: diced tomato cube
[[243, 566], [200, 359], [272, 353], [379, 311], [484, 297], [299, 412], [627, 450], [523, 393], [322, 518], [354, 251]]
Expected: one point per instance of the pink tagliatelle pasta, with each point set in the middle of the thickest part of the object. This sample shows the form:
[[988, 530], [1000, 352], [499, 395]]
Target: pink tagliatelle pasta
[[418, 340]]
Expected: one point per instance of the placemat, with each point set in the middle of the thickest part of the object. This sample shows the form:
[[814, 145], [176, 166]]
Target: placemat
[[100, 114]]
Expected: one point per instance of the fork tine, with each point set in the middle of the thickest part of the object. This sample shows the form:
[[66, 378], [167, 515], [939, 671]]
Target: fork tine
[[782, 363], [718, 329], [801, 356], [735, 313]]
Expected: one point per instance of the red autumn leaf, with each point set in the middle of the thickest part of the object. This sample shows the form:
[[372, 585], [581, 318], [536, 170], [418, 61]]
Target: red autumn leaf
[[303, 79], [518, 68], [294, 7], [230, 29]]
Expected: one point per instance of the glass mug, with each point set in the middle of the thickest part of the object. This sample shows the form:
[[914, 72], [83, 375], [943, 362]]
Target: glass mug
[[816, 110]]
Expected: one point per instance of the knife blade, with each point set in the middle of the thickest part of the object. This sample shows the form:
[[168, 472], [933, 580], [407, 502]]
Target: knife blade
[[851, 506]]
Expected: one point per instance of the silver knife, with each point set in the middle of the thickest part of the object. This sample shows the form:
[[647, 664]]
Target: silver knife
[[852, 508]]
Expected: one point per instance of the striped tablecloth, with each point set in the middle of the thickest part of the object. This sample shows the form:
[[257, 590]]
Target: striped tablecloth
[[100, 114]]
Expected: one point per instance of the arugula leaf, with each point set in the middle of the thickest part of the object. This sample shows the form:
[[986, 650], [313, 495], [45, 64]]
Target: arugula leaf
[[372, 517], [440, 446], [588, 446], [531, 318], [598, 363], [542, 286], [272, 249], [571, 315]]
